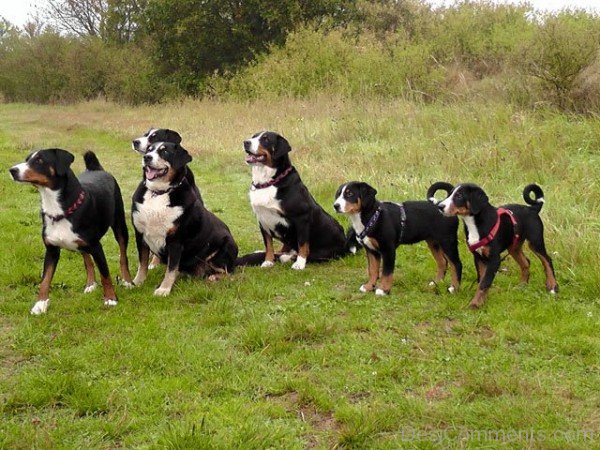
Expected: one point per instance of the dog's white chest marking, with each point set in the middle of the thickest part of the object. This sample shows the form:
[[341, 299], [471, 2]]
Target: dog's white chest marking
[[472, 230], [359, 228], [154, 218], [267, 208], [58, 233]]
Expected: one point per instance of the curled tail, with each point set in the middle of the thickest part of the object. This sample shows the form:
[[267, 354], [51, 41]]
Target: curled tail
[[537, 202], [91, 161], [438, 185]]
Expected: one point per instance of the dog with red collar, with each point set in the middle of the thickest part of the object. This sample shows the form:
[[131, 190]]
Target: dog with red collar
[[381, 227], [490, 231], [76, 213]]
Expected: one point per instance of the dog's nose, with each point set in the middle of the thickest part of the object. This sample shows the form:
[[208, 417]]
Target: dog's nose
[[147, 159], [336, 206], [14, 172], [247, 145], [136, 144]]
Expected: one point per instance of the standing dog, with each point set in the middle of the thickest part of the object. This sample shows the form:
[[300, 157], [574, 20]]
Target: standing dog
[[285, 209], [76, 213], [492, 230], [383, 226], [170, 221]]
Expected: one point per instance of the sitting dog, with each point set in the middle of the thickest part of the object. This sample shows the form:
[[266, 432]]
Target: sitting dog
[[285, 209], [383, 226], [170, 220], [492, 230], [76, 213]]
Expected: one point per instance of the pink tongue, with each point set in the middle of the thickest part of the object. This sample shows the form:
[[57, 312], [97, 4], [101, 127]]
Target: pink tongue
[[151, 174], [253, 158]]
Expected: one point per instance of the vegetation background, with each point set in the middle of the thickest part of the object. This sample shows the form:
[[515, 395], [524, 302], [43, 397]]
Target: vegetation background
[[393, 93]]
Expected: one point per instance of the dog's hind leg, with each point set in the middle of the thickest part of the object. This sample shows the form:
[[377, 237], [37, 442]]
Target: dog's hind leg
[[522, 261], [119, 228], [110, 297], [90, 283], [538, 247], [450, 250], [440, 261]]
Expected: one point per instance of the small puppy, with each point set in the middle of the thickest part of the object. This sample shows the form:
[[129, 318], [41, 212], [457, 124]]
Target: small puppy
[[76, 213], [170, 221], [382, 226], [492, 230], [285, 209]]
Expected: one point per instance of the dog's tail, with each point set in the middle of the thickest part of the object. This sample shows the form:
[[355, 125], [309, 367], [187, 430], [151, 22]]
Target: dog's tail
[[438, 185], [251, 259], [91, 161], [537, 202]]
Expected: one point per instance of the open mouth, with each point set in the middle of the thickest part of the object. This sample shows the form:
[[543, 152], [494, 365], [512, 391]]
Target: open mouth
[[255, 159], [152, 173]]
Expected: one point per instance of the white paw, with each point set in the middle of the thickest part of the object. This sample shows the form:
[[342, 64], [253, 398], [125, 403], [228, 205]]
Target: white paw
[[363, 288], [267, 264], [286, 257], [127, 284], [552, 292], [110, 302], [152, 266], [431, 283], [162, 292], [452, 289], [380, 292], [40, 307], [353, 250], [300, 263], [90, 288]]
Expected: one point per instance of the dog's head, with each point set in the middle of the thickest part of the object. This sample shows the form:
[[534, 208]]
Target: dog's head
[[44, 168], [465, 200], [164, 163], [152, 136], [266, 148], [354, 197]]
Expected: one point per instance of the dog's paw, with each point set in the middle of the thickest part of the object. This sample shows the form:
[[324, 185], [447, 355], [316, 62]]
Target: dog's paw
[[127, 284], [40, 307], [152, 266], [451, 289], [110, 302], [365, 288], [432, 284], [300, 263], [162, 292], [353, 250], [90, 288], [138, 280], [267, 264], [380, 292], [286, 258]]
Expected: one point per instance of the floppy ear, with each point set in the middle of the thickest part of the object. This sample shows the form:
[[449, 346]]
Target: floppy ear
[[477, 201], [181, 157], [173, 136], [64, 159], [282, 147], [367, 195]]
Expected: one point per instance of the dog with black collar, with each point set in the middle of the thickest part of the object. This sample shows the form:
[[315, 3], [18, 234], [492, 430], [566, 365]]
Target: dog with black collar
[[381, 227], [490, 231], [76, 213], [170, 220]]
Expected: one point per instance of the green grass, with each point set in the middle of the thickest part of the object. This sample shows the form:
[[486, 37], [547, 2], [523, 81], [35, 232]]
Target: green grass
[[284, 359]]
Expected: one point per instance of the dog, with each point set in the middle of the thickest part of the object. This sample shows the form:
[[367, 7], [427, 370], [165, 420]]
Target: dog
[[171, 221], [286, 210], [381, 227], [490, 231], [76, 213]]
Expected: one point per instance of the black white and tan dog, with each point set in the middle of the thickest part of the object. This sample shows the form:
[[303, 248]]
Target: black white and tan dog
[[490, 231], [76, 213], [285, 209], [171, 221], [383, 226]]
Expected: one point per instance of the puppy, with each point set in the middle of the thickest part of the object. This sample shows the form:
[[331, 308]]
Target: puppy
[[170, 221], [492, 230], [76, 213], [285, 210], [383, 226]]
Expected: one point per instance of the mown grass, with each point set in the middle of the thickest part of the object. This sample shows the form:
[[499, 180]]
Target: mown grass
[[278, 358]]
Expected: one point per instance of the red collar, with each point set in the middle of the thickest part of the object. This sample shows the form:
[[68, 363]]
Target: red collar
[[490, 237], [70, 210], [273, 181]]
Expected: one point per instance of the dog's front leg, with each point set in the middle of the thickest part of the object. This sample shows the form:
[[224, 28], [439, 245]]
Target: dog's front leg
[[143, 258], [373, 263], [50, 262], [174, 256], [269, 251], [387, 273], [491, 268], [110, 297]]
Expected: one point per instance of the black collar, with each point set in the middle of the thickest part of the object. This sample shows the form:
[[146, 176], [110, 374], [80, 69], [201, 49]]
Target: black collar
[[273, 181], [370, 224]]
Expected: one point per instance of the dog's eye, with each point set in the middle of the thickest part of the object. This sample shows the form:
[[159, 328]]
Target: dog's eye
[[348, 194]]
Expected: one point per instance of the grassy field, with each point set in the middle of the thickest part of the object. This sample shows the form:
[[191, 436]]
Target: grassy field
[[285, 359]]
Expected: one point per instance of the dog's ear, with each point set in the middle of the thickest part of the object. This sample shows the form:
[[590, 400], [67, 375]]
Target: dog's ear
[[173, 136], [477, 201], [64, 159], [181, 157], [281, 147], [367, 195]]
